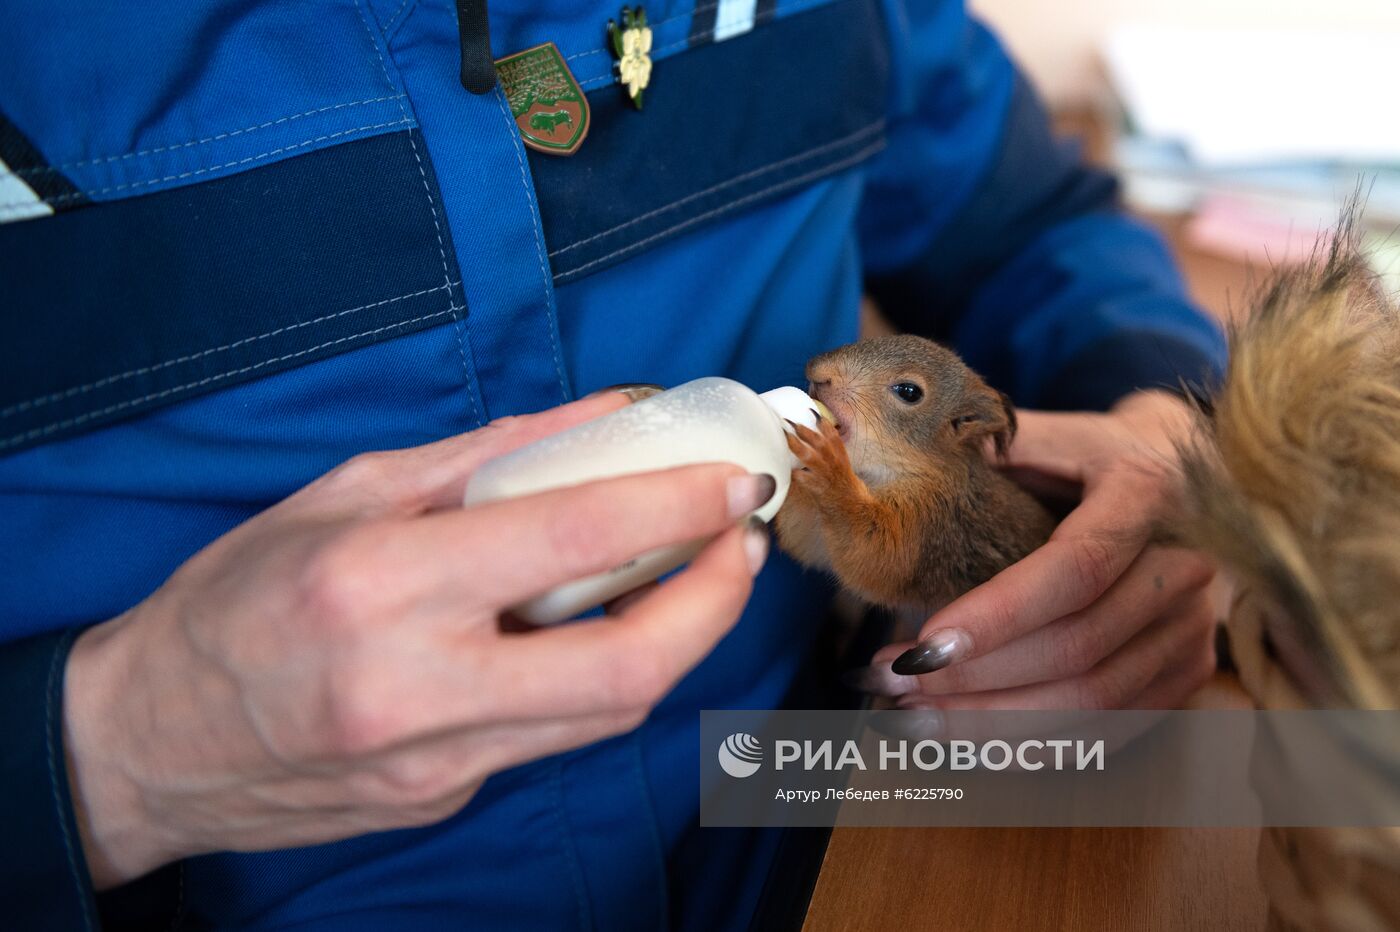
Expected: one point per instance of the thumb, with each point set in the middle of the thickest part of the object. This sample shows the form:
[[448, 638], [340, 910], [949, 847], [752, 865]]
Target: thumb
[[439, 471], [425, 478]]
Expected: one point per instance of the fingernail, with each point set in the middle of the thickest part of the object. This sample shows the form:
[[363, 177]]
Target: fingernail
[[635, 391], [755, 545], [878, 679], [935, 652], [749, 493]]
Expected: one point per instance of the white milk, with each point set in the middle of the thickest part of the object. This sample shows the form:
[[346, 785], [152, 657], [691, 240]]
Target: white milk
[[705, 421]]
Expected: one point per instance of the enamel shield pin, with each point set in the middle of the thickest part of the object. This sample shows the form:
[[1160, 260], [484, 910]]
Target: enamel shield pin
[[549, 107]]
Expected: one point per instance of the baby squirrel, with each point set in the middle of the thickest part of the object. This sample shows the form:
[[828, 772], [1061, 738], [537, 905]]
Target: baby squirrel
[[896, 498]]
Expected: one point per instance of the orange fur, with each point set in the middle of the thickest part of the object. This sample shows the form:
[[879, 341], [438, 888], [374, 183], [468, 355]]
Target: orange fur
[[906, 511]]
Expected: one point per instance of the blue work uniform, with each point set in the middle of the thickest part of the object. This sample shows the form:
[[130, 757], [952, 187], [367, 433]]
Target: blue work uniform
[[244, 240]]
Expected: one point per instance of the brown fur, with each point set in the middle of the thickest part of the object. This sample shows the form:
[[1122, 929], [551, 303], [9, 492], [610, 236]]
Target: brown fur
[[1295, 482], [901, 503]]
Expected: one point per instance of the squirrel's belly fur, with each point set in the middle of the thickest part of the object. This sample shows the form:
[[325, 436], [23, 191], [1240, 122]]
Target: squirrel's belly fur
[[911, 544]]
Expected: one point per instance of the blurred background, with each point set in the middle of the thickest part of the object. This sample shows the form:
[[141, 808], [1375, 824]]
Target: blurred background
[[1239, 127]]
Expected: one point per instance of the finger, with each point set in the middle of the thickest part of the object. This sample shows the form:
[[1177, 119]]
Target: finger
[[1116, 683], [1065, 647], [1077, 447], [1160, 580], [632, 661], [1174, 686], [1090, 549], [440, 470], [601, 666], [435, 475], [501, 553], [1059, 444]]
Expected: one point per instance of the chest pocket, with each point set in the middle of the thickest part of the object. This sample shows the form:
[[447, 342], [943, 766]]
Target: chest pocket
[[242, 202], [727, 124]]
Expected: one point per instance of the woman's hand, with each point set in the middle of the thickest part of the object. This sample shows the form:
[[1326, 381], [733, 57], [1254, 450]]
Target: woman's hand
[[1098, 617], [337, 664]]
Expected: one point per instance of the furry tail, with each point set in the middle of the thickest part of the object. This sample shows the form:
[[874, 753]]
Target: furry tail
[[1294, 482]]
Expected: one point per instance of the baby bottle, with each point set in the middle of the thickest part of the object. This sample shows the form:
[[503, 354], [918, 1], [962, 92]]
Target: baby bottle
[[705, 421]]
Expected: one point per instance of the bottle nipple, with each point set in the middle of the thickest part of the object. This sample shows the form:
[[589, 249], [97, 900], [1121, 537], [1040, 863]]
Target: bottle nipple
[[793, 404]]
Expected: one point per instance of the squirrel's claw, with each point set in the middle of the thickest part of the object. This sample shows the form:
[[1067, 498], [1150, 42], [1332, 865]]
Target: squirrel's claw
[[795, 445], [821, 453], [830, 432]]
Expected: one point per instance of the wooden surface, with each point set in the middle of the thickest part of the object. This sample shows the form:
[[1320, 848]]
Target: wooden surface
[[1027, 880]]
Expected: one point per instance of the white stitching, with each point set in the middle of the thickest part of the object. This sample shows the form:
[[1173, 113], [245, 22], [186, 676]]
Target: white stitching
[[388, 27], [111, 409], [59, 198], [58, 653], [788, 183], [610, 76], [195, 142], [452, 307], [517, 146], [144, 370], [447, 278], [705, 8], [432, 208], [772, 166], [352, 103]]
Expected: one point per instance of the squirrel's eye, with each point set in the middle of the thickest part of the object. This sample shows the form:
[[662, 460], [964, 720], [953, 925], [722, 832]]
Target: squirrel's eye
[[907, 392]]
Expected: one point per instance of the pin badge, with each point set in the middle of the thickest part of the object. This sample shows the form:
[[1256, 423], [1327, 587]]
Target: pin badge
[[549, 107], [631, 43]]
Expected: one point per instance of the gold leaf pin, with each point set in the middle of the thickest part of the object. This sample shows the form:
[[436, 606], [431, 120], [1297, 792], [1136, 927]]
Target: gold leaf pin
[[631, 43]]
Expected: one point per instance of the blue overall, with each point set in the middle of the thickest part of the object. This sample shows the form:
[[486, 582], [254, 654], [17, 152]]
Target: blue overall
[[244, 240]]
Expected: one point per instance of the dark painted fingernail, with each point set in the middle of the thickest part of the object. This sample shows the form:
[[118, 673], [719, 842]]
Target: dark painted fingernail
[[635, 391], [748, 493], [878, 680], [933, 653]]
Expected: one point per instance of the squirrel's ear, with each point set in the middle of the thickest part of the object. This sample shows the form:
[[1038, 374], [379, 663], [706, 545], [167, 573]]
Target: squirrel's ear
[[991, 414], [1003, 437]]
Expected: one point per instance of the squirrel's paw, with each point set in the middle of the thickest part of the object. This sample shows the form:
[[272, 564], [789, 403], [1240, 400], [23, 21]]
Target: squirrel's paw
[[822, 455]]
